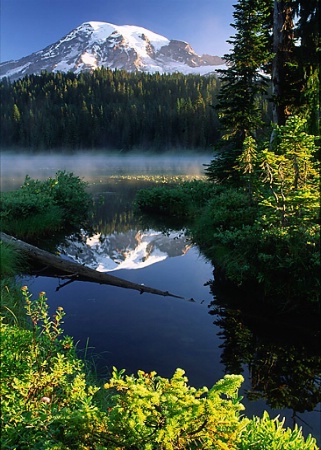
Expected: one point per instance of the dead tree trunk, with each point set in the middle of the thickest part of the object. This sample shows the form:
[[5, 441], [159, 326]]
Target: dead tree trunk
[[75, 271]]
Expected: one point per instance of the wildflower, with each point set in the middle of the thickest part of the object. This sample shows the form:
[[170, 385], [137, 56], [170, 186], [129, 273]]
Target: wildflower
[[24, 288], [45, 400]]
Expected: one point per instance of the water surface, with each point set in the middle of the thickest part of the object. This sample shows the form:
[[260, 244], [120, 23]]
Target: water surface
[[122, 328]]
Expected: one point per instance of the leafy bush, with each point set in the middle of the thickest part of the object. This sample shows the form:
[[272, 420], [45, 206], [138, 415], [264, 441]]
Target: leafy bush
[[47, 402], [43, 207], [266, 434], [45, 399], [181, 200], [150, 412], [228, 210], [163, 201], [67, 191], [25, 214]]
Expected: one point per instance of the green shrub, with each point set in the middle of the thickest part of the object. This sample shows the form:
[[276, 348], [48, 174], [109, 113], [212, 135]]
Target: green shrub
[[42, 207], [47, 402], [229, 210], [163, 201], [182, 200], [269, 434], [200, 192], [66, 191], [25, 214], [150, 412]]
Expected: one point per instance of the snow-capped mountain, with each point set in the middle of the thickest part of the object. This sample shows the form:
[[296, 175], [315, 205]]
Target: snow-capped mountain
[[101, 44], [134, 249]]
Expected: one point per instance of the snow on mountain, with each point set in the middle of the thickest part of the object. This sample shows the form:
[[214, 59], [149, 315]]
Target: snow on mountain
[[131, 250], [102, 44]]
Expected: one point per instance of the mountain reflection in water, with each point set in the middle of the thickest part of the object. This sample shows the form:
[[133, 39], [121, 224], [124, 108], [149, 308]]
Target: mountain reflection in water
[[133, 249]]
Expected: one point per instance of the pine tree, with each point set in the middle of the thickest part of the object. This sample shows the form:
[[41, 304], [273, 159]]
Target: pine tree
[[243, 84], [291, 176]]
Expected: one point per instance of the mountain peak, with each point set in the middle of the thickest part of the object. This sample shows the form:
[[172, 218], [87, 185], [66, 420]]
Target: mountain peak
[[96, 44]]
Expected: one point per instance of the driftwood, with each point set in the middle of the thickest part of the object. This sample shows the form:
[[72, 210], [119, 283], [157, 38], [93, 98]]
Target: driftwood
[[76, 271]]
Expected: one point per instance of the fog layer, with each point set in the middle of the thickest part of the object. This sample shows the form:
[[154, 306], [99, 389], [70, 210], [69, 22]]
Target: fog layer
[[91, 166]]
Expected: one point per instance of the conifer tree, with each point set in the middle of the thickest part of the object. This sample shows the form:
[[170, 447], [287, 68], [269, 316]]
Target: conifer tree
[[243, 83], [309, 59], [296, 62], [290, 192]]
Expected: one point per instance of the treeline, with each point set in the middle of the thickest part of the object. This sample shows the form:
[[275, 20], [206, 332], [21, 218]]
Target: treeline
[[106, 108]]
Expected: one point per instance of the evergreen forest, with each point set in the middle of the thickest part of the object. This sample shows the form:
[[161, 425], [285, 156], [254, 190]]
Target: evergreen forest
[[109, 109]]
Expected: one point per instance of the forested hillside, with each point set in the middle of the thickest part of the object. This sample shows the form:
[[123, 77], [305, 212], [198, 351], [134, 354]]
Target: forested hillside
[[110, 109]]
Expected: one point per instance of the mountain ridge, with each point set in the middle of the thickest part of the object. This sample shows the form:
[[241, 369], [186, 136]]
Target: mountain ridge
[[102, 44]]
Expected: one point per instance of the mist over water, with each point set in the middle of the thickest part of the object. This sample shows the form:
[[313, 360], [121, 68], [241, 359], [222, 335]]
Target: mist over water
[[90, 166]]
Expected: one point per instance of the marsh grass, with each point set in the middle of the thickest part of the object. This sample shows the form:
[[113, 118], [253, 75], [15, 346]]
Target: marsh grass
[[31, 227], [11, 260], [11, 306]]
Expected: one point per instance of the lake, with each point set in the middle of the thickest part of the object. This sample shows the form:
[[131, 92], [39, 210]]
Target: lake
[[123, 328]]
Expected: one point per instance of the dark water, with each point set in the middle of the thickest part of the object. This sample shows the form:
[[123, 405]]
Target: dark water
[[122, 328]]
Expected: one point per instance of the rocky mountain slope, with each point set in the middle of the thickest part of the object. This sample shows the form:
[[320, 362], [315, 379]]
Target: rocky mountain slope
[[101, 44]]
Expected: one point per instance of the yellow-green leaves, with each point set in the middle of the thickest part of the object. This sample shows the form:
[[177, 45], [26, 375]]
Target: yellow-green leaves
[[150, 409]]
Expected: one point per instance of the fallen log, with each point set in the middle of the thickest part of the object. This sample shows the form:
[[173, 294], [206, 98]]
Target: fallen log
[[76, 271]]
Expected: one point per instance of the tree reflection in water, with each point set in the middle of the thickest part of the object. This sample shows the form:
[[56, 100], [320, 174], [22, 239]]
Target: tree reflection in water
[[284, 360]]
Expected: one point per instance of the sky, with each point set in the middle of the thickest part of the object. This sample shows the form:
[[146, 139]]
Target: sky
[[27, 26]]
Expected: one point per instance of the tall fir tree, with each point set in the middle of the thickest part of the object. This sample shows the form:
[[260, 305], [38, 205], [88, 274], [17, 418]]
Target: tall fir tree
[[243, 83], [280, 38]]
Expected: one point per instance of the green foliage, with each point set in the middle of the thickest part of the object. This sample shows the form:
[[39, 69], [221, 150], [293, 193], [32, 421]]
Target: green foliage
[[11, 260], [109, 109], [242, 100], [45, 399], [243, 85], [43, 207], [182, 200], [11, 264], [270, 434], [290, 190], [266, 42], [288, 265], [151, 412], [246, 163], [47, 402], [239, 227], [65, 190], [25, 213], [11, 306], [162, 201], [228, 210], [273, 238]]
